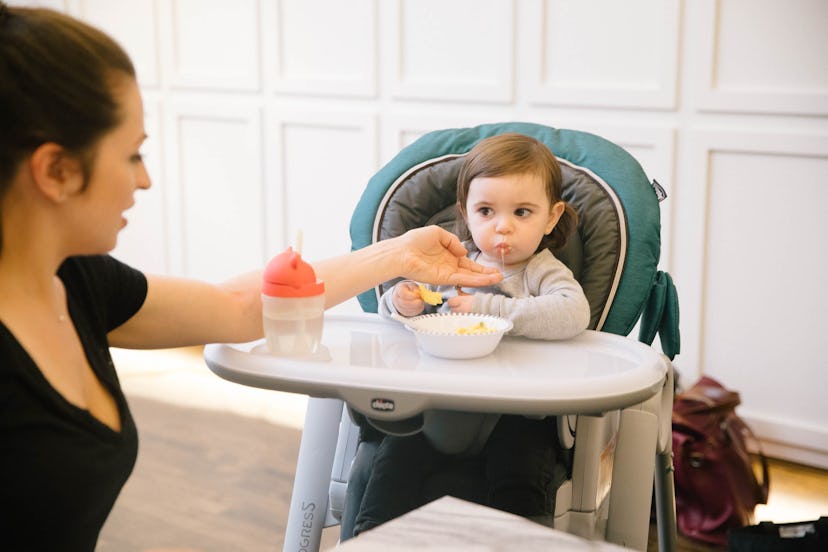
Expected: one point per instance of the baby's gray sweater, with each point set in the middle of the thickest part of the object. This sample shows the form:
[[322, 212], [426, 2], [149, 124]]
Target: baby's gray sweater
[[543, 300]]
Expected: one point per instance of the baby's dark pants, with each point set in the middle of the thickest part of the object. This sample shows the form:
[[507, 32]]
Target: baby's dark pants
[[518, 471]]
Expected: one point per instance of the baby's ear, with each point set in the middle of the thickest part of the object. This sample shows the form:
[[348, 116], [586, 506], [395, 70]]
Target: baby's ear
[[556, 211]]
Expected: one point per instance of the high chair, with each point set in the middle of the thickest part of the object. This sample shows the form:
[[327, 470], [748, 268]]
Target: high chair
[[617, 455]]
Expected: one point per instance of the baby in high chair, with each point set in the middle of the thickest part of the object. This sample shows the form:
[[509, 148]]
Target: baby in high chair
[[510, 205]]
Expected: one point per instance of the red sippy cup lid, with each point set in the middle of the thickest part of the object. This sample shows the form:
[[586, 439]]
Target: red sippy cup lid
[[287, 275]]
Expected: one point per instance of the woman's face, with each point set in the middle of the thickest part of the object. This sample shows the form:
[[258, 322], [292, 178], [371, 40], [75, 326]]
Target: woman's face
[[508, 216], [117, 171]]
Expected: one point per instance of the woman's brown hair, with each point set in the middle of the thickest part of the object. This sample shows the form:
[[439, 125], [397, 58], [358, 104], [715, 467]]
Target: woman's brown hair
[[513, 153], [57, 82]]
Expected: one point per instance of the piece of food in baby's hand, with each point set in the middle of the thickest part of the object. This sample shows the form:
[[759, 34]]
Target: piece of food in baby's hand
[[430, 297], [479, 328]]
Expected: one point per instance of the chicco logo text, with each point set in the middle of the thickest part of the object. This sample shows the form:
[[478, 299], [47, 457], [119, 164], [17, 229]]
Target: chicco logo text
[[386, 405]]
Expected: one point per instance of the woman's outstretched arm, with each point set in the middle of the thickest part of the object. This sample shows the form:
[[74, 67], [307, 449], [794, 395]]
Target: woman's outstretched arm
[[180, 312]]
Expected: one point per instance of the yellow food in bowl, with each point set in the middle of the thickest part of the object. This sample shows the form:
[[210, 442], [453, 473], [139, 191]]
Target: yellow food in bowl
[[479, 328], [430, 297]]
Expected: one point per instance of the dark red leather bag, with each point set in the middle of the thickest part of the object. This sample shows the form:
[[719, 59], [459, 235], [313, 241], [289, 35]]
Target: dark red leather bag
[[716, 486]]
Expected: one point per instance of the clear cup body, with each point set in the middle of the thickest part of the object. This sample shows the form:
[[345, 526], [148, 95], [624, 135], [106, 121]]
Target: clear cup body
[[293, 325]]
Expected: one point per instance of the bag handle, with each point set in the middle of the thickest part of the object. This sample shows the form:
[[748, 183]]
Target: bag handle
[[708, 395]]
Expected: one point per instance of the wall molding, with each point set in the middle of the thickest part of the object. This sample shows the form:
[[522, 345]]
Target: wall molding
[[784, 439], [498, 39], [658, 92], [241, 187], [285, 188], [135, 25], [779, 98], [226, 65], [690, 224], [360, 82]]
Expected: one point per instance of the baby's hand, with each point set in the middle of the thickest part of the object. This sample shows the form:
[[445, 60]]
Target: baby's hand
[[461, 303], [407, 300]]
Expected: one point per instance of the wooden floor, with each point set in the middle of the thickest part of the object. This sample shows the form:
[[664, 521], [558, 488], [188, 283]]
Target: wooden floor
[[209, 481], [205, 481]]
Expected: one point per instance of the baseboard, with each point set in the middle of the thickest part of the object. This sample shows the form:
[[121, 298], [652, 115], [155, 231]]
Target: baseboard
[[789, 440]]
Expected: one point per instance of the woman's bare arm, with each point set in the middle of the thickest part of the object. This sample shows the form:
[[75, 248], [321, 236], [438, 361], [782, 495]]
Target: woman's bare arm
[[180, 312]]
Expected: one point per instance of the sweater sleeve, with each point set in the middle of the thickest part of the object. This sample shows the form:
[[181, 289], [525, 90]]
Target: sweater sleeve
[[386, 307], [544, 302]]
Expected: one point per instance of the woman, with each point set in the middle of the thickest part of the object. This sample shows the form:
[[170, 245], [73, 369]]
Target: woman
[[72, 119]]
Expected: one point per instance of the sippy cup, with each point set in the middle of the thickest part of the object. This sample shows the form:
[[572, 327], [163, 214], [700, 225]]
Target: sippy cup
[[293, 304]]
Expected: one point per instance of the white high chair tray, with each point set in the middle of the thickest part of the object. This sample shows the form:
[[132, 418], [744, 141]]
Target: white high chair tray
[[375, 366]]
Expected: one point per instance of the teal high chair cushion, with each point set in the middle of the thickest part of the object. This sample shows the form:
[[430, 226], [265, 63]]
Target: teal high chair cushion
[[616, 250], [614, 254]]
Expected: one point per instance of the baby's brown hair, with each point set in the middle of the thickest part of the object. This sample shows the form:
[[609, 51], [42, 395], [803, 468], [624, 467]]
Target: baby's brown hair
[[513, 153]]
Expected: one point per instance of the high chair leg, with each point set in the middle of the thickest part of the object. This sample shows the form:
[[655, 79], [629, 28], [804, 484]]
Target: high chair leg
[[665, 495], [309, 501], [665, 503], [632, 475]]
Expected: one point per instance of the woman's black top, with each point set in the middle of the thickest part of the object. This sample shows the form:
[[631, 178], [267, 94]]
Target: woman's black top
[[61, 469]]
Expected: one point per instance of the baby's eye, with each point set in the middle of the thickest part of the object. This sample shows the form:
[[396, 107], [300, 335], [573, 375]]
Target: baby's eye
[[523, 212], [485, 211]]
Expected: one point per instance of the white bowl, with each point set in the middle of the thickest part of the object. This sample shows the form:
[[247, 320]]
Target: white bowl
[[437, 334]]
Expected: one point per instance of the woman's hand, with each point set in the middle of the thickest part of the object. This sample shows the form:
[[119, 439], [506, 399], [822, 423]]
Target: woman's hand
[[431, 255], [434, 255]]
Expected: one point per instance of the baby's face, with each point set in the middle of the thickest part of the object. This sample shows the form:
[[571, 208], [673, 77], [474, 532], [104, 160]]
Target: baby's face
[[508, 216]]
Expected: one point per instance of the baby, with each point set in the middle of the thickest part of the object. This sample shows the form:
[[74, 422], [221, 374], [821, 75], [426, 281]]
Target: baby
[[510, 206]]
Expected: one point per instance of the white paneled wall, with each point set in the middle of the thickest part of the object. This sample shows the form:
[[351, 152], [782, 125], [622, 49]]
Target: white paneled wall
[[325, 49], [754, 305], [627, 53], [212, 45], [763, 56], [217, 203], [460, 50], [323, 159], [267, 117]]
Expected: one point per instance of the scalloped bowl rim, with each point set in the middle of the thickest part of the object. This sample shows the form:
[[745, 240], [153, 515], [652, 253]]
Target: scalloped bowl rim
[[445, 342], [454, 321]]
